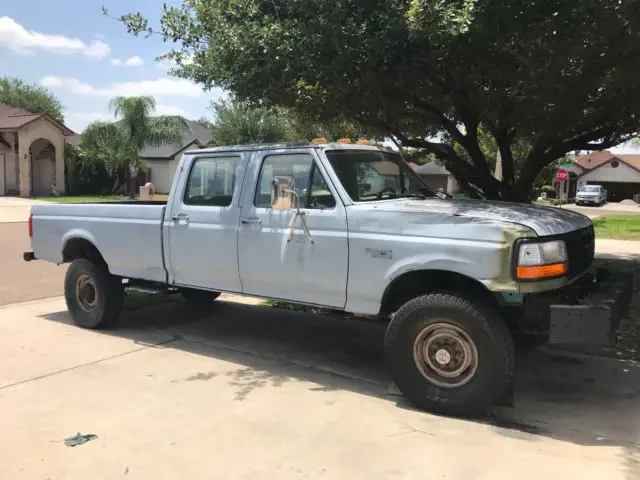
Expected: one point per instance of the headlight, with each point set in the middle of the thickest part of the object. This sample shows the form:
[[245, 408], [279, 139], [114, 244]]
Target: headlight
[[540, 260]]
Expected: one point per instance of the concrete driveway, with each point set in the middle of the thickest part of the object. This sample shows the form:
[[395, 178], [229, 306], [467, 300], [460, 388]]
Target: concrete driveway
[[606, 210], [253, 392], [15, 209], [19, 280]]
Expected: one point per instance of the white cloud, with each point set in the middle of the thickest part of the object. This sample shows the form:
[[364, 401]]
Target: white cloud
[[20, 40], [134, 61], [167, 64], [162, 109], [161, 87]]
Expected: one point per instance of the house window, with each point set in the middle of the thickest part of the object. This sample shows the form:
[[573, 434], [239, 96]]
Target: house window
[[615, 164]]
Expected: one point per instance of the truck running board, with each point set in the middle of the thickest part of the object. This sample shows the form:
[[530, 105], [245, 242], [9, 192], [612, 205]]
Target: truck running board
[[595, 317]]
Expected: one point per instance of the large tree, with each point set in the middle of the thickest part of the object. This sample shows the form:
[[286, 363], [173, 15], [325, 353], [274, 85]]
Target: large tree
[[553, 76], [119, 144], [241, 122], [237, 122], [31, 97]]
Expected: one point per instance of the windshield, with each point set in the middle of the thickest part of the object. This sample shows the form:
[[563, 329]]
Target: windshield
[[590, 189], [376, 175]]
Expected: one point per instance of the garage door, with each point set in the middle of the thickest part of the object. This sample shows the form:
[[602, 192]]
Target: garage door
[[618, 191]]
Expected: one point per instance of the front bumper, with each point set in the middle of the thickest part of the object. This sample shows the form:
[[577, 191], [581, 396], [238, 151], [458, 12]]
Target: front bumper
[[591, 309]]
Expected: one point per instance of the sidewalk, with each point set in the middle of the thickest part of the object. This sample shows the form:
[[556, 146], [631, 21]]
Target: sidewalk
[[625, 249], [15, 209]]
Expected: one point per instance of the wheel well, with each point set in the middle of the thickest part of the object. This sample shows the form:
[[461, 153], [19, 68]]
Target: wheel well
[[420, 282], [81, 248]]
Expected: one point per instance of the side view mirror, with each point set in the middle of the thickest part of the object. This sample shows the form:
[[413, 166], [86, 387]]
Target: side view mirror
[[283, 194]]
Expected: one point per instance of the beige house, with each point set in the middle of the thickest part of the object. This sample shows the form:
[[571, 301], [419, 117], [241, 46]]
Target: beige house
[[619, 174], [438, 177], [161, 162], [31, 153]]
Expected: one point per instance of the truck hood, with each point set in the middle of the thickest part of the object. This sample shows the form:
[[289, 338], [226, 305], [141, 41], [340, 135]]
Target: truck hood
[[542, 220]]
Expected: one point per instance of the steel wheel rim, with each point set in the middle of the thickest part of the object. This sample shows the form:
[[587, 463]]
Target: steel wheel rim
[[445, 355], [86, 293]]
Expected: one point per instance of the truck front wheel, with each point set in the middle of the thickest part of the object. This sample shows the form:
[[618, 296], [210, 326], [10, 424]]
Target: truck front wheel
[[94, 297], [450, 355]]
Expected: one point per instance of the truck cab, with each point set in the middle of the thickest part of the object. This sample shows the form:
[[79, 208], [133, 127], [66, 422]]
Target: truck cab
[[345, 227]]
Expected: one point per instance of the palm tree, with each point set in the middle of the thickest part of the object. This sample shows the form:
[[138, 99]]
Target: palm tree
[[120, 143]]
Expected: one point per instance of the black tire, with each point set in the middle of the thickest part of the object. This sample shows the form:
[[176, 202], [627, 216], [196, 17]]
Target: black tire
[[94, 297], [199, 297], [482, 331]]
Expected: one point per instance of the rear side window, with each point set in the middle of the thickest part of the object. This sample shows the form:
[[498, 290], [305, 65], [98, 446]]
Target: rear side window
[[302, 172], [211, 181]]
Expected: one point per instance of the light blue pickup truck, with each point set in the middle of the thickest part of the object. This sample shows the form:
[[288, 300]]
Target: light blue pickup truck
[[348, 227]]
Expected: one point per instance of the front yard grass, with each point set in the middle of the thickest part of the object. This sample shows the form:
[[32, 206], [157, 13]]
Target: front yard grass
[[619, 227]]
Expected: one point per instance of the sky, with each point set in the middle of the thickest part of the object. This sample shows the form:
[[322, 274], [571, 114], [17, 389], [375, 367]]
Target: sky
[[85, 58]]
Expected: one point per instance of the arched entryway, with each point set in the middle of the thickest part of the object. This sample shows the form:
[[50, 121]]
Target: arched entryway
[[43, 167]]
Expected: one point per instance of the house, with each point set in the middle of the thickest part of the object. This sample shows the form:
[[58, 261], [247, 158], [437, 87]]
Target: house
[[31, 152], [162, 162], [619, 174], [437, 177]]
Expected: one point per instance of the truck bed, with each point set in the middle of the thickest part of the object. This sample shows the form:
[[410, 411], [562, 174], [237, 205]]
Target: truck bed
[[128, 234]]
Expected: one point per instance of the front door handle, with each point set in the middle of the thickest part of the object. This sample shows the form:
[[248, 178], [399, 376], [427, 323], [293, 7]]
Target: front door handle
[[247, 221], [181, 218]]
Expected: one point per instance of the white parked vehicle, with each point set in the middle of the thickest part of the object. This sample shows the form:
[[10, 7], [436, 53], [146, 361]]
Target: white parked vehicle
[[591, 195]]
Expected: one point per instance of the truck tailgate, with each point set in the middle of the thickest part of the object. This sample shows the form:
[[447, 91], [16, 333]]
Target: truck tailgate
[[128, 235]]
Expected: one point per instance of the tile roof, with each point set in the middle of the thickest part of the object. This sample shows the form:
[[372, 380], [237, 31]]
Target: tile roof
[[594, 159], [598, 158], [11, 117]]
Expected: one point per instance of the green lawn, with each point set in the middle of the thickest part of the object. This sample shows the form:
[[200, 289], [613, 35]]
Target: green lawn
[[620, 227], [91, 198]]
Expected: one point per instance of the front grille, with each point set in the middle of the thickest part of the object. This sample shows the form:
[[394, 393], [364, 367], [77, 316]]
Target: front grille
[[580, 249]]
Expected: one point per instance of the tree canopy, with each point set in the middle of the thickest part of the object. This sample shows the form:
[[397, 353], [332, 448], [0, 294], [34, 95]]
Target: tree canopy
[[552, 76], [118, 145], [31, 97], [240, 122]]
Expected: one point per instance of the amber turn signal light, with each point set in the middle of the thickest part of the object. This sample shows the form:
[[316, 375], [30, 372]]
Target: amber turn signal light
[[541, 271]]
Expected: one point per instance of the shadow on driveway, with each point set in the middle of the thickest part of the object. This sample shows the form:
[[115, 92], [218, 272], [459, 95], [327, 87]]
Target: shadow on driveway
[[582, 399]]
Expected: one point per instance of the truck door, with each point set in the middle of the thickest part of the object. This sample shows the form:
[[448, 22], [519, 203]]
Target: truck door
[[279, 259], [202, 223]]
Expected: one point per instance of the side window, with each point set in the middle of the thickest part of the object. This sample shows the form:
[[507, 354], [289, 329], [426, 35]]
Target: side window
[[211, 181], [300, 171]]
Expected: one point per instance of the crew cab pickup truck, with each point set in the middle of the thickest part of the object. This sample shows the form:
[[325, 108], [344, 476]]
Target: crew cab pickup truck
[[591, 195], [348, 227]]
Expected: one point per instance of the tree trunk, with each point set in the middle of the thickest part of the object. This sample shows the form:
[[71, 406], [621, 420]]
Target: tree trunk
[[133, 176]]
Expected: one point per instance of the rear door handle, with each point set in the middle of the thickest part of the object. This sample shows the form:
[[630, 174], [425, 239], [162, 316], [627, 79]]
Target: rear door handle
[[247, 221], [181, 218]]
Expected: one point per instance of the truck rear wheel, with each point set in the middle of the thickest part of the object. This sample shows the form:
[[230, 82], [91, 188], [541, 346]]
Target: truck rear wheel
[[199, 297], [450, 355], [94, 297]]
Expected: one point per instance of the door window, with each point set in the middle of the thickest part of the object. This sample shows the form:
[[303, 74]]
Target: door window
[[211, 181], [301, 172]]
